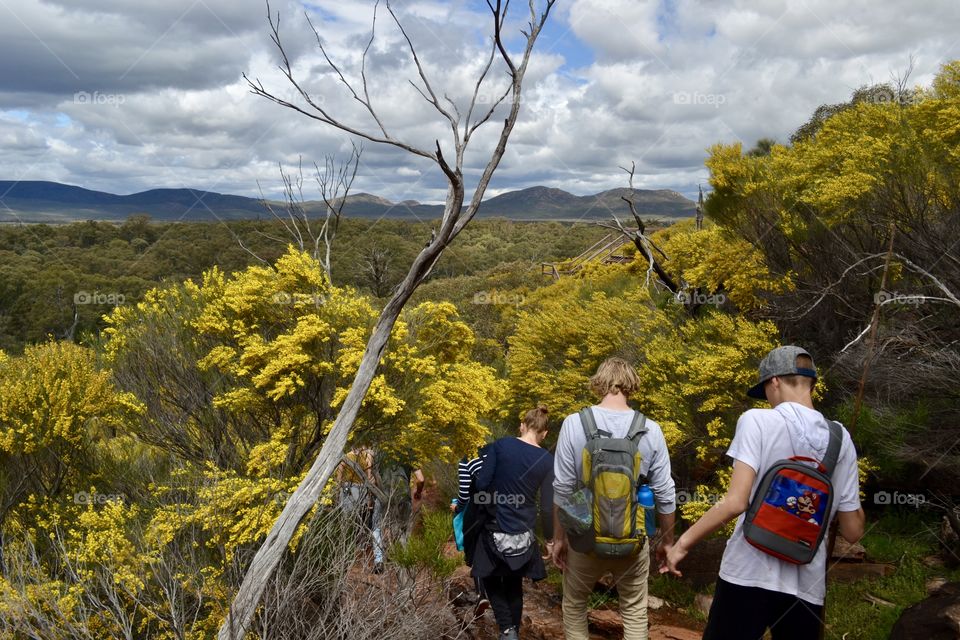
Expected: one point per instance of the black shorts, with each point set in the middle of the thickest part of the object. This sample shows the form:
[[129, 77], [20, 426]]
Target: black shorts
[[745, 613]]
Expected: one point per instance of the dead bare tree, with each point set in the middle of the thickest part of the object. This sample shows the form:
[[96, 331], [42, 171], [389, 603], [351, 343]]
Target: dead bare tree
[[639, 237], [335, 181], [455, 217], [700, 209], [376, 265]]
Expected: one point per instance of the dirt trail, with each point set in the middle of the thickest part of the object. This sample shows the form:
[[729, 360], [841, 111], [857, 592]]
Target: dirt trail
[[542, 616], [541, 604]]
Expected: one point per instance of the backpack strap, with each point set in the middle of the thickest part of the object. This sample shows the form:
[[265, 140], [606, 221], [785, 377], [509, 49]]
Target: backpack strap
[[589, 423], [833, 449], [637, 428]]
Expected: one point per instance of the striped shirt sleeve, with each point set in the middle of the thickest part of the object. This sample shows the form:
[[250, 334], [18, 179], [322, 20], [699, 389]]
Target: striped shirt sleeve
[[466, 470]]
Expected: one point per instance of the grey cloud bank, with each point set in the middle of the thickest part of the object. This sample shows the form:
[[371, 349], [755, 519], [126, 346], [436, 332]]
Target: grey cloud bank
[[123, 96]]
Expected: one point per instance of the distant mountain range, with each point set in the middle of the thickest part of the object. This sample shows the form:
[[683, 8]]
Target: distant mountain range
[[35, 201]]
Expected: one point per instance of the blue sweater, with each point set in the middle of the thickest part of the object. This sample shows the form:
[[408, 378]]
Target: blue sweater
[[512, 474]]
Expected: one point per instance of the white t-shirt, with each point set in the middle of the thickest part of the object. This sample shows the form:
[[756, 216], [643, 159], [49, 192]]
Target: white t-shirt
[[765, 436]]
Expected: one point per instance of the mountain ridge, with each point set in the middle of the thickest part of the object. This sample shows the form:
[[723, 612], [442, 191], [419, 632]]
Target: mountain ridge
[[45, 201]]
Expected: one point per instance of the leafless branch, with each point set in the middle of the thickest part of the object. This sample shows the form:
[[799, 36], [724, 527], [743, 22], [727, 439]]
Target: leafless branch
[[832, 285], [950, 296], [640, 239], [932, 278], [432, 99], [317, 112], [857, 339], [335, 184]]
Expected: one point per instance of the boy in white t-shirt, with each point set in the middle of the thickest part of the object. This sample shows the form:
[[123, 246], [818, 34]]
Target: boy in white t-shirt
[[756, 591]]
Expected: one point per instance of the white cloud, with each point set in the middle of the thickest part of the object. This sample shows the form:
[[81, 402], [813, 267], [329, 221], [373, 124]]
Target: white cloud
[[165, 104]]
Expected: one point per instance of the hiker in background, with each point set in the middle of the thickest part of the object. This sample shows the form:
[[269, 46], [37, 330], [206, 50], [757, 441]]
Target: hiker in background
[[756, 590], [403, 487], [357, 500], [417, 482], [514, 471], [467, 471], [353, 474], [611, 541]]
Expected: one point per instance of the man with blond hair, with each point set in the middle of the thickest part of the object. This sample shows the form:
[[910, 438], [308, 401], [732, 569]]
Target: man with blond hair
[[613, 383]]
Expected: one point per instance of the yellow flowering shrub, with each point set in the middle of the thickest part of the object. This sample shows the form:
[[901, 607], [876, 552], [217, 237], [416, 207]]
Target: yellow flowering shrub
[[713, 261], [281, 346], [830, 178], [57, 409], [99, 539], [56, 393]]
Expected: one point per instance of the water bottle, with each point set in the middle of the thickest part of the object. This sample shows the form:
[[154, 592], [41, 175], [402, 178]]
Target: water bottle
[[645, 501]]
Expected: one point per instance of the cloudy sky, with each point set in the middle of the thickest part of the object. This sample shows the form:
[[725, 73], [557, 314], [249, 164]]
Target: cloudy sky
[[122, 95]]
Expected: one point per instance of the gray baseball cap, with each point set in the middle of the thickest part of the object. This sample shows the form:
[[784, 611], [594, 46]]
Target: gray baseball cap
[[781, 361]]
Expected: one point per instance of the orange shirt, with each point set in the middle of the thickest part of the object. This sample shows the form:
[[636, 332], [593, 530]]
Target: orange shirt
[[348, 474]]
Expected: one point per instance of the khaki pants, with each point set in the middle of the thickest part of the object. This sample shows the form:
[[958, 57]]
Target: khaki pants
[[630, 576]]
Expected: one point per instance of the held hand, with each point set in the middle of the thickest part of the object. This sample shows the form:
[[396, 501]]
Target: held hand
[[549, 546], [559, 553], [674, 556], [662, 546]]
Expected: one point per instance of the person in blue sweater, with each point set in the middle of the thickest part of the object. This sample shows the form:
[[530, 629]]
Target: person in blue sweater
[[514, 471]]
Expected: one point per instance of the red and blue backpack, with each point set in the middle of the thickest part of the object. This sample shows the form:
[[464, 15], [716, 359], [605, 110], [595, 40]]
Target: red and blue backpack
[[789, 513]]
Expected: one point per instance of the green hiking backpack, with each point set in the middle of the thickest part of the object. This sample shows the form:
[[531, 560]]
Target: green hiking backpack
[[611, 471]]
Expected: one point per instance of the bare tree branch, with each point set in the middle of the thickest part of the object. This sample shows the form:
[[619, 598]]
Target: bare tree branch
[[331, 182], [950, 296], [335, 183], [454, 123], [317, 112], [641, 240]]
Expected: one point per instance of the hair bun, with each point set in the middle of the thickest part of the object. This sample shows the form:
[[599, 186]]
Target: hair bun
[[543, 409]]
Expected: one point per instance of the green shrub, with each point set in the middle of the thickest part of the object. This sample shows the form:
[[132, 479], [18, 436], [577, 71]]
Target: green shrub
[[426, 549]]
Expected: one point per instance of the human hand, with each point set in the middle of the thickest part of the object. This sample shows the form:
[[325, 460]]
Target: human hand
[[549, 554], [558, 554], [662, 545], [673, 556]]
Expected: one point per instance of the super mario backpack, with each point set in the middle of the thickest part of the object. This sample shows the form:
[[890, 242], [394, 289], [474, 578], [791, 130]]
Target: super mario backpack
[[788, 515]]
